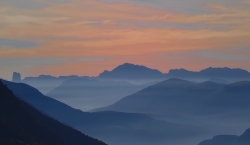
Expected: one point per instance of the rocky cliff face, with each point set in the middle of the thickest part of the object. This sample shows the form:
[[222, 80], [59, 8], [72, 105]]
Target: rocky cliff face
[[16, 77]]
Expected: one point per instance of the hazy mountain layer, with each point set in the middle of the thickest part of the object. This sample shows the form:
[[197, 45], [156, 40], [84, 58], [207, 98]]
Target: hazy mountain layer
[[181, 98], [87, 94], [111, 127], [141, 74], [46, 83]]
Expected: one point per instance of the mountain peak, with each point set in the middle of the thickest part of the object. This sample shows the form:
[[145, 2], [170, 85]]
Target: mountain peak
[[132, 71], [180, 72], [16, 77], [229, 139], [173, 82], [246, 134], [181, 69], [126, 63], [130, 66]]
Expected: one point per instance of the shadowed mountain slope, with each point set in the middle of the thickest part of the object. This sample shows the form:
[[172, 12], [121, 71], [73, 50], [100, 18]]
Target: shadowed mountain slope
[[183, 98], [244, 139], [21, 124]]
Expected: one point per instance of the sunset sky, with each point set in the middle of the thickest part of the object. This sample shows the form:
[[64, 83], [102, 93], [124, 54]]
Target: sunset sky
[[85, 37]]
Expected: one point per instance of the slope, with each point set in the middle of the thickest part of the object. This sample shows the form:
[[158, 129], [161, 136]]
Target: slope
[[87, 94], [22, 124], [111, 127], [175, 97], [244, 139]]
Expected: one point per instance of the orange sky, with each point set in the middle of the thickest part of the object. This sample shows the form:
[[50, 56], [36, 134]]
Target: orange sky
[[85, 37]]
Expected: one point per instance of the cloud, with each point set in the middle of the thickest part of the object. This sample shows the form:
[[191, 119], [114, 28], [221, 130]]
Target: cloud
[[13, 62], [24, 4], [180, 6], [12, 43], [223, 55], [31, 4], [130, 30]]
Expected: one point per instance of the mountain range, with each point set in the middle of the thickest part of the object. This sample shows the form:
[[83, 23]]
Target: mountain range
[[110, 127], [141, 74], [183, 109], [21, 124], [210, 73], [132, 71]]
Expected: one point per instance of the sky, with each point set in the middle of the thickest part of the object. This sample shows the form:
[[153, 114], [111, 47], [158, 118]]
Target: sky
[[86, 37]]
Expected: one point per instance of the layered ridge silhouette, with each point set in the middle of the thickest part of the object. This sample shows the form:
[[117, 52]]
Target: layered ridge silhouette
[[132, 71], [142, 74], [111, 127], [87, 94], [176, 97], [21, 124]]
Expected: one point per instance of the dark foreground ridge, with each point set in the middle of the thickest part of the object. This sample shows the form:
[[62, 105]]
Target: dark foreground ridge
[[21, 124]]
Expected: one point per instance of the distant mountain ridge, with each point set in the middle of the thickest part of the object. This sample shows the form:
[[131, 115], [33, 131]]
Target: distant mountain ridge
[[132, 71], [244, 139], [140, 74], [211, 73]]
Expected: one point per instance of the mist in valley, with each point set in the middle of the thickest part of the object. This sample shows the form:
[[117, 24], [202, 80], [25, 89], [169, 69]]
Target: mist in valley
[[154, 110]]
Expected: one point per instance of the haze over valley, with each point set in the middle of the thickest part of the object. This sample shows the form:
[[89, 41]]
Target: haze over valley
[[124, 72], [131, 109]]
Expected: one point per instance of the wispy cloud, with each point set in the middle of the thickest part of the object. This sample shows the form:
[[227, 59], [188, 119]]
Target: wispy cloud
[[128, 30], [13, 43]]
